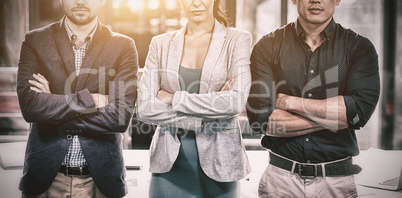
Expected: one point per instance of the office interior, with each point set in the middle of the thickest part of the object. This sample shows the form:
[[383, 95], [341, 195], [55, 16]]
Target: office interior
[[378, 20]]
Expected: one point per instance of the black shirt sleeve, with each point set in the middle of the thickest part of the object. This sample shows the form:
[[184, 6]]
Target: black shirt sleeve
[[261, 100], [363, 83]]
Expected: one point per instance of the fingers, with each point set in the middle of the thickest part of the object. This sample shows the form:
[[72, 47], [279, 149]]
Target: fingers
[[35, 89], [41, 84], [164, 96], [95, 97], [228, 84], [103, 101], [225, 86], [231, 82], [159, 94], [162, 91], [280, 95], [106, 100], [37, 85], [100, 100], [43, 81]]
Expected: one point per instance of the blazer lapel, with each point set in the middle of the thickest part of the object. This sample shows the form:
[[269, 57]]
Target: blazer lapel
[[174, 57], [214, 51], [65, 50], [93, 51]]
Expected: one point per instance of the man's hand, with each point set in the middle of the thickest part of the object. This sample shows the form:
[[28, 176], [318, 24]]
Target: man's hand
[[283, 102], [164, 96], [41, 85], [100, 100]]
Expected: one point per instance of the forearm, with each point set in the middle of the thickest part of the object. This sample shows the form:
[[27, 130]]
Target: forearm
[[45, 107], [329, 113], [112, 118], [105, 121], [153, 111], [54, 108], [210, 105], [217, 103], [285, 124], [116, 116]]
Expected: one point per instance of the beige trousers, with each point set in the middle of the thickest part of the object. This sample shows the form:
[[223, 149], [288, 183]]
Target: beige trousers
[[277, 182], [70, 187]]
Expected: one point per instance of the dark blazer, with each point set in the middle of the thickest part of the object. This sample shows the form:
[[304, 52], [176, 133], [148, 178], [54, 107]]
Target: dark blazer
[[110, 68]]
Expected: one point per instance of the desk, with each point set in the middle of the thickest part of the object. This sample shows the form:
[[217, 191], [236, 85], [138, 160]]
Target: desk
[[138, 180]]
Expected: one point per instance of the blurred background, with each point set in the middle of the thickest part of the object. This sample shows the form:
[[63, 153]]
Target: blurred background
[[378, 20]]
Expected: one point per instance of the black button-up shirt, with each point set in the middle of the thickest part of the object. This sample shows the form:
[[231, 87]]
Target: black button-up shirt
[[345, 64]]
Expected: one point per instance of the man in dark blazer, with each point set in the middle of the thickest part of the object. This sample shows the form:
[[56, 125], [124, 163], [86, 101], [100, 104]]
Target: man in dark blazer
[[77, 88]]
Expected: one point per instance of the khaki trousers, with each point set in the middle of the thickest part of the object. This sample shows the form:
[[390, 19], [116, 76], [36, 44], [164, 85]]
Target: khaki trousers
[[277, 182], [70, 187]]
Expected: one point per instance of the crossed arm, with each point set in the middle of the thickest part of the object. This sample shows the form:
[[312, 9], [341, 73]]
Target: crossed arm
[[167, 97], [187, 111], [295, 116], [41, 85], [287, 116], [81, 112]]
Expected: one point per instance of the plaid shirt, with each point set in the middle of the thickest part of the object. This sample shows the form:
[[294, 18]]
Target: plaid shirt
[[74, 156]]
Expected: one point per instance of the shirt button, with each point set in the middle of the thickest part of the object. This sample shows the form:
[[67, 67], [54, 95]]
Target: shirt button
[[69, 137], [312, 71], [310, 95], [307, 139]]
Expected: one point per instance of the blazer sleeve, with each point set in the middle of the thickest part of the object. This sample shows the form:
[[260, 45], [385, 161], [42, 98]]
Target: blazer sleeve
[[44, 107], [116, 116], [222, 104], [150, 108]]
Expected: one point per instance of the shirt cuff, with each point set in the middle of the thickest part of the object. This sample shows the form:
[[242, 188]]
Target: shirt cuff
[[351, 114]]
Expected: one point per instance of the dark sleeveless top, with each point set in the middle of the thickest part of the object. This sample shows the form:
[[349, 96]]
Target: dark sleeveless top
[[190, 79]]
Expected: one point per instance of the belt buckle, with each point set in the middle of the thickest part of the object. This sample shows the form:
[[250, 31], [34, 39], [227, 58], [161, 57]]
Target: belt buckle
[[67, 167], [300, 166]]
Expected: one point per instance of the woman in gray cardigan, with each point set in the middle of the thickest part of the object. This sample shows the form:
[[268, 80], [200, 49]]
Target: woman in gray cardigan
[[196, 81]]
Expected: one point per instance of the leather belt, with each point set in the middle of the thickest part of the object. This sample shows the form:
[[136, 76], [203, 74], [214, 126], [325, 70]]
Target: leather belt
[[82, 170], [310, 170]]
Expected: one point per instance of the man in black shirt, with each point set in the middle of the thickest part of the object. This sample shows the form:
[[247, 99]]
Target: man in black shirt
[[314, 83]]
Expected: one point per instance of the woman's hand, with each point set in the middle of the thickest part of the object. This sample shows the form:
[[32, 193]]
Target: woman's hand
[[41, 85], [164, 96], [228, 84]]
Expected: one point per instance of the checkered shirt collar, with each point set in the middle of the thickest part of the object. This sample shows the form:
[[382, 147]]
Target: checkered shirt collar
[[73, 37]]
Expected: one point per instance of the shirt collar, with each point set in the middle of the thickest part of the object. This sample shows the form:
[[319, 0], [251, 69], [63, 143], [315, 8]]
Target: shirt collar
[[73, 37], [326, 34]]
